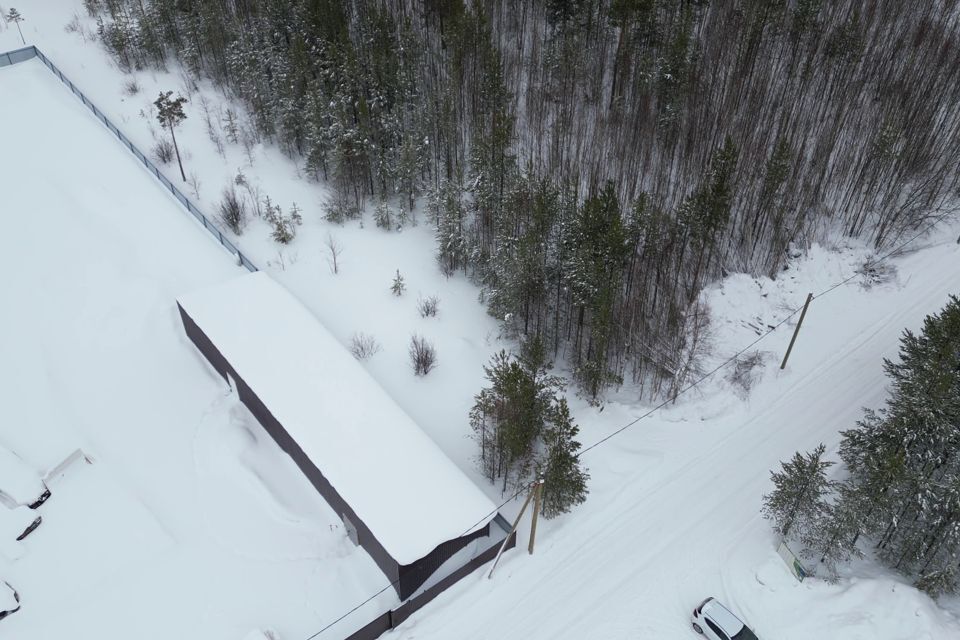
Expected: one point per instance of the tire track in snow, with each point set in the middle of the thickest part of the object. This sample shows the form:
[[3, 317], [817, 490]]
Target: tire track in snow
[[629, 569]]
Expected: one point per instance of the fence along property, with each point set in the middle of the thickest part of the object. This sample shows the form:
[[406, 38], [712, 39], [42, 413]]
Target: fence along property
[[391, 618], [28, 53]]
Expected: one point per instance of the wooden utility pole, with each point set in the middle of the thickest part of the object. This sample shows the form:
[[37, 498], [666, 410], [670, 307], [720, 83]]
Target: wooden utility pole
[[513, 530], [536, 512], [797, 330]]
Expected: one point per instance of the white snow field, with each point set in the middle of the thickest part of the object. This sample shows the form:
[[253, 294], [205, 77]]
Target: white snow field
[[190, 523], [673, 511]]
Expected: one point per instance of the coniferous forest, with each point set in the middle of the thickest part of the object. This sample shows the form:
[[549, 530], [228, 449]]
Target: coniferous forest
[[591, 164], [901, 489]]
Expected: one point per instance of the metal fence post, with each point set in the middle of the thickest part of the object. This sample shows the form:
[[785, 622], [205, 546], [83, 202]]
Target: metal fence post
[[35, 52]]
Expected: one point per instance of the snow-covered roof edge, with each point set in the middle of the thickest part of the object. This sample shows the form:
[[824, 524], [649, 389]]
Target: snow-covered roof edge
[[397, 480]]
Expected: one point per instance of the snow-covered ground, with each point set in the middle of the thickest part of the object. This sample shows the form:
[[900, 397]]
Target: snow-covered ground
[[190, 522], [673, 512]]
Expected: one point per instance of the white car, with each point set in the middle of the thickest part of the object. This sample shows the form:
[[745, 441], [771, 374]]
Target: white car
[[9, 600], [19, 484], [713, 620]]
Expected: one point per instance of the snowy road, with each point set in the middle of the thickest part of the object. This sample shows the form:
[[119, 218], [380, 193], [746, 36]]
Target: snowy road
[[673, 514], [683, 523]]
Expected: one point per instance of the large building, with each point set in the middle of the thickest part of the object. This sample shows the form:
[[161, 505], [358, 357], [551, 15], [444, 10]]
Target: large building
[[399, 496]]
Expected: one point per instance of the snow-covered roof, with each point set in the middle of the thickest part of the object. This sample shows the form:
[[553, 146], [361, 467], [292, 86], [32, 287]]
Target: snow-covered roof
[[18, 481], [9, 600], [396, 479], [13, 522]]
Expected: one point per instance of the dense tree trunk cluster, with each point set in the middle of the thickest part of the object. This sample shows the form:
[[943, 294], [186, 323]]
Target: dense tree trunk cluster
[[524, 428], [593, 163], [902, 489]]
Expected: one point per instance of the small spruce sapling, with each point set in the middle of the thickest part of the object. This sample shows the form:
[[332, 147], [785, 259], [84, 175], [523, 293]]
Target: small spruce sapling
[[382, 216], [398, 286], [296, 214], [284, 230], [170, 114], [403, 218]]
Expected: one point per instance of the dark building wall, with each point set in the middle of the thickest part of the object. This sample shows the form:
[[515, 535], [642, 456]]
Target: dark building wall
[[406, 579], [413, 575], [369, 542], [391, 619]]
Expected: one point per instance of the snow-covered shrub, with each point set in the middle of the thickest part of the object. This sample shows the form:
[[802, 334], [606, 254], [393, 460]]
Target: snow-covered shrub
[[253, 193], [874, 272], [93, 7], [423, 356], [745, 372], [363, 346], [334, 249], [163, 151], [74, 25], [194, 182], [233, 210], [340, 207], [131, 87], [428, 306], [939, 582]]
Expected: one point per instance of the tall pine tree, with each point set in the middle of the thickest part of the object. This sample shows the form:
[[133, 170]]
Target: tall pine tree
[[797, 501]]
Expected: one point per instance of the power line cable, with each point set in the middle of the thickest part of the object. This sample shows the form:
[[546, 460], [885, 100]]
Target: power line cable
[[699, 381], [739, 353], [393, 583], [689, 387]]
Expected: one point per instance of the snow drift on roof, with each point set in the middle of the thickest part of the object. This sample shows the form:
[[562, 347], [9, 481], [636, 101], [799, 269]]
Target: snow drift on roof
[[410, 495], [17, 479]]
